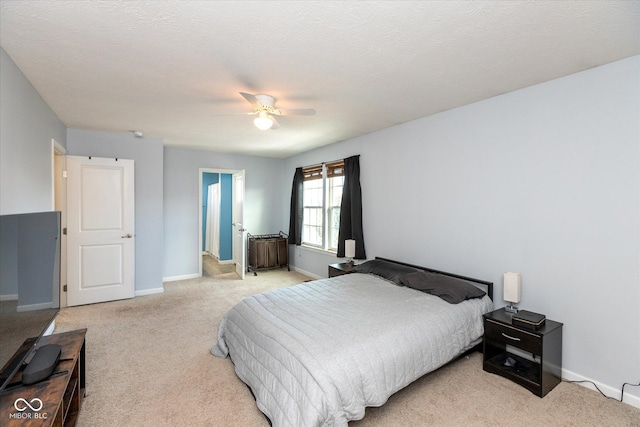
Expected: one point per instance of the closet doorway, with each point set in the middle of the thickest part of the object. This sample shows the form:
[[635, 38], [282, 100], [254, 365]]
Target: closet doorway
[[217, 225]]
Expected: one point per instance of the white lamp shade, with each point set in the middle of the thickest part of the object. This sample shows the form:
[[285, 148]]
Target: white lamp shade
[[511, 287], [350, 248]]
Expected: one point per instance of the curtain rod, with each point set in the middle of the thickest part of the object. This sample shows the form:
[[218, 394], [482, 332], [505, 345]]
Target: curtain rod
[[332, 161]]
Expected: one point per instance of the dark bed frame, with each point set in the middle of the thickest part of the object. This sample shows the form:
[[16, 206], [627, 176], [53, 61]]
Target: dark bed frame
[[482, 284]]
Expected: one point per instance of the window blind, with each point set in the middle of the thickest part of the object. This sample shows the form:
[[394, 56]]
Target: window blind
[[335, 169], [315, 172], [312, 172]]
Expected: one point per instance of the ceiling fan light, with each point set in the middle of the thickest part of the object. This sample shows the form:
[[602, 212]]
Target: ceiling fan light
[[263, 121]]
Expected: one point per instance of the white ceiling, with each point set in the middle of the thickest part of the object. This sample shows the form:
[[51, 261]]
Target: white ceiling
[[172, 68]]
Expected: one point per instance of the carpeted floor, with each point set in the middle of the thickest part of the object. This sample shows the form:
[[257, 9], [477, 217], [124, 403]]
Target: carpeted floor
[[211, 267], [148, 364]]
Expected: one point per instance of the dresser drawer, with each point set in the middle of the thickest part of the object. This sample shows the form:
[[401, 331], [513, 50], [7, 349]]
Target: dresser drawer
[[509, 335]]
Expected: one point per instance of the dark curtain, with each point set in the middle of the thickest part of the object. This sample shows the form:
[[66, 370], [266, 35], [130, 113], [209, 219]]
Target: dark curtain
[[351, 209], [295, 216]]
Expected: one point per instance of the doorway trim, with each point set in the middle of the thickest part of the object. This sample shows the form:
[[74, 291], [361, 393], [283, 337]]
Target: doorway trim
[[59, 203], [201, 172]]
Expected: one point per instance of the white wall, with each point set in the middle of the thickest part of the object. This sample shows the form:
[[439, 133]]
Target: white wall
[[27, 125], [262, 208], [544, 181], [147, 153]]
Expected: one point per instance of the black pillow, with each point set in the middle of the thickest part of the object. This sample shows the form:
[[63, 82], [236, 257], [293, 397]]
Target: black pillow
[[448, 288], [385, 269]]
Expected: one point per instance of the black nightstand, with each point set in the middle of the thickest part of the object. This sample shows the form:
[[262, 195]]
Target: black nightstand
[[340, 269], [537, 354]]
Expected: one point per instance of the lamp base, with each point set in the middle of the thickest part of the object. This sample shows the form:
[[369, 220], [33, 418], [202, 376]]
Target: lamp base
[[511, 309]]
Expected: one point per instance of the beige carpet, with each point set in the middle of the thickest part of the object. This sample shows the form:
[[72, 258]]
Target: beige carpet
[[148, 364], [211, 267]]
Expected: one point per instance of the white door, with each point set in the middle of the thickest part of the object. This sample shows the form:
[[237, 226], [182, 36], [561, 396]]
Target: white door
[[239, 242], [100, 229]]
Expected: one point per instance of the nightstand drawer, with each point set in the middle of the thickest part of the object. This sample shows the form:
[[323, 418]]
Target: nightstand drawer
[[512, 336]]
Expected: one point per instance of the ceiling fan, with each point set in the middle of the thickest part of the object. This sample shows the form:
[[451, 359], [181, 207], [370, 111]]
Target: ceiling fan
[[263, 106]]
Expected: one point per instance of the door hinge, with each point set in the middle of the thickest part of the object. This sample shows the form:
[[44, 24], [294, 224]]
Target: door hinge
[[64, 174], [64, 231], [64, 288]]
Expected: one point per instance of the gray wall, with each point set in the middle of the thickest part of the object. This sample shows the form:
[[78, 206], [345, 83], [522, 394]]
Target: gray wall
[[147, 154], [543, 181], [262, 209], [27, 125]]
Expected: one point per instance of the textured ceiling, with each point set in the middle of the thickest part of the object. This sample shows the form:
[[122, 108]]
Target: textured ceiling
[[173, 68]]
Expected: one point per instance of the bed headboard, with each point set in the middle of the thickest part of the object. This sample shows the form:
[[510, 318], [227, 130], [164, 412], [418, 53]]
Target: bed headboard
[[482, 284]]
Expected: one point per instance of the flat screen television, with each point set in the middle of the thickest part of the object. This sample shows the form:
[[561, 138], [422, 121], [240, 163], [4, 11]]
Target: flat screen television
[[29, 285]]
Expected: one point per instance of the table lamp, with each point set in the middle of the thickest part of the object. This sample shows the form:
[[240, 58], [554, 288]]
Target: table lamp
[[350, 249], [511, 291]]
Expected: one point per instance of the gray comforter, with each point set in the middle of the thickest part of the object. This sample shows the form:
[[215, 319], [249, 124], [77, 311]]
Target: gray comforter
[[318, 353]]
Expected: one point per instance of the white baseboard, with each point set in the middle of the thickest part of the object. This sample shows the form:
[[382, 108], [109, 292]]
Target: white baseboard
[[185, 277], [306, 273], [9, 297], [149, 292], [629, 399], [34, 307]]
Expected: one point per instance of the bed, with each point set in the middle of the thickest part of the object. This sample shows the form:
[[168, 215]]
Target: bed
[[319, 353]]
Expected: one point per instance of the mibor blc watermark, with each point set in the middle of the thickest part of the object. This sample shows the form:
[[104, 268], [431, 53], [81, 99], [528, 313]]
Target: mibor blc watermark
[[22, 405]]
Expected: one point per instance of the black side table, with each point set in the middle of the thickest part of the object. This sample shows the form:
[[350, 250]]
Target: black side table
[[535, 357], [340, 269]]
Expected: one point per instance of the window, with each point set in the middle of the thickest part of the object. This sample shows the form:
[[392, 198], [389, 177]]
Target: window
[[322, 194]]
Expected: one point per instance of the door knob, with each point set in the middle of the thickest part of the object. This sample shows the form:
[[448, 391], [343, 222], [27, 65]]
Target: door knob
[[127, 236]]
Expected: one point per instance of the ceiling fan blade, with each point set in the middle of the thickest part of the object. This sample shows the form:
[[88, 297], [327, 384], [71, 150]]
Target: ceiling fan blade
[[235, 114], [276, 125], [296, 112], [251, 98]]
